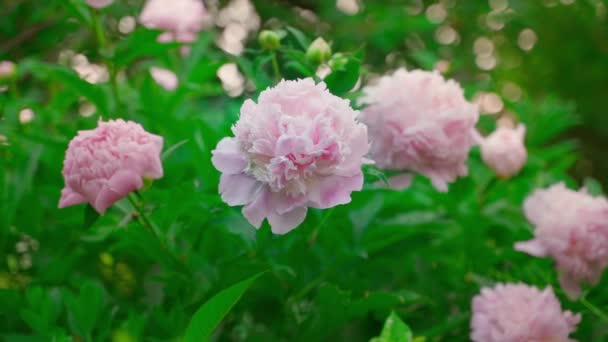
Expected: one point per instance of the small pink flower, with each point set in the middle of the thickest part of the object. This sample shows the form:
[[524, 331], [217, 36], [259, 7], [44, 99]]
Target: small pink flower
[[298, 147], [572, 228], [180, 19], [520, 313], [99, 3], [504, 150], [420, 122], [103, 165], [164, 77], [7, 69]]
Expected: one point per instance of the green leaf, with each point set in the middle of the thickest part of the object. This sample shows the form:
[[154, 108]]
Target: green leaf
[[69, 79], [344, 79], [85, 308], [141, 43], [394, 330], [593, 187], [208, 316], [299, 36], [90, 216]]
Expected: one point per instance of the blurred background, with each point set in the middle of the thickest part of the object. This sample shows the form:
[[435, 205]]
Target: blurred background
[[555, 51]]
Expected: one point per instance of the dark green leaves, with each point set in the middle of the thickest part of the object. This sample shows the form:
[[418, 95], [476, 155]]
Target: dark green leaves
[[207, 318], [90, 216], [85, 308], [69, 80], [344, 75]]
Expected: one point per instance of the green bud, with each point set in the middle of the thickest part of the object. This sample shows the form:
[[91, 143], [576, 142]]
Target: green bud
[[319, 51], [338, 61], [269, 40]]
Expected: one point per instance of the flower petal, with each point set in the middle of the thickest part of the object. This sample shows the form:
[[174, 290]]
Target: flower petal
[[335, 190], [69, 197], [228, 158], [238, 189], [256, 211], [532, 247], [283, 224]]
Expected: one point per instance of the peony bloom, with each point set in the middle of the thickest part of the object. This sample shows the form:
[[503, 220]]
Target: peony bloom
[[298, 147], [520, 313], [504, 150], [99, 3], [164, 77], [180, 19], [572, 228], [103, 165], [420, 122], [7, 69]]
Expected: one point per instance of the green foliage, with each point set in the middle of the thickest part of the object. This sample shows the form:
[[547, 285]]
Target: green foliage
[[416, 254], [394, 330], [210, 314]]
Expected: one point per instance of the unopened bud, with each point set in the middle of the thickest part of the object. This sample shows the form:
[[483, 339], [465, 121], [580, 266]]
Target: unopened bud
[[269, 40], [338, 61], [7, 69], [319, 51]]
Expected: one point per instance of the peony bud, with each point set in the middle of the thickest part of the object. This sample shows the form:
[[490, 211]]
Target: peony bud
[[165, 78], [7, 69], [319, 51], [269, 40], [337, 61], [504, 151], [99, 3]]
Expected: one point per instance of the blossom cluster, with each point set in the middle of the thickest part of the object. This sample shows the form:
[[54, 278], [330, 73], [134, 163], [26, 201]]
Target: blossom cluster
[[299, 146]]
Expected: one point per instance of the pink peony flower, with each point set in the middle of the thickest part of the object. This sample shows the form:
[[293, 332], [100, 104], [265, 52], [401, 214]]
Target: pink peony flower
[[420, 122], [572, 228], [164, 77], [180, 19], [7, 69], [504, 150], [99, 3], [298, 147], [103, 165], [520, 313]]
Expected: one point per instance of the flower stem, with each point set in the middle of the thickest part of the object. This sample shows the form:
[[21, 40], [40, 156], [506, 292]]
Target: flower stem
[[102, 43], [275, 66], [144, 220], [595, 310], [101, 38], [315, 232]]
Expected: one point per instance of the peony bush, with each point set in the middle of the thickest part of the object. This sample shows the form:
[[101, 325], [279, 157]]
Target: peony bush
[[186, 172]]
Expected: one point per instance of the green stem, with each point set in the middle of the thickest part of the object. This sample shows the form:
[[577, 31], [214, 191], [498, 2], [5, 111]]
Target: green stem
[[99, 34], [275, 66], [315, 232], [145, 221], [13, 88], [595, 310], [102, 43]]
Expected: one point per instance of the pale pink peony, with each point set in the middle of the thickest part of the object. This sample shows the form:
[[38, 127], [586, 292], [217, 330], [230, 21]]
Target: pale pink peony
[[420, 122], [298, 147], [99, 3], [7, 69], [504, 150], [572, 228], [103, 165], [164, 77], [520, 313], [180, 19]]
